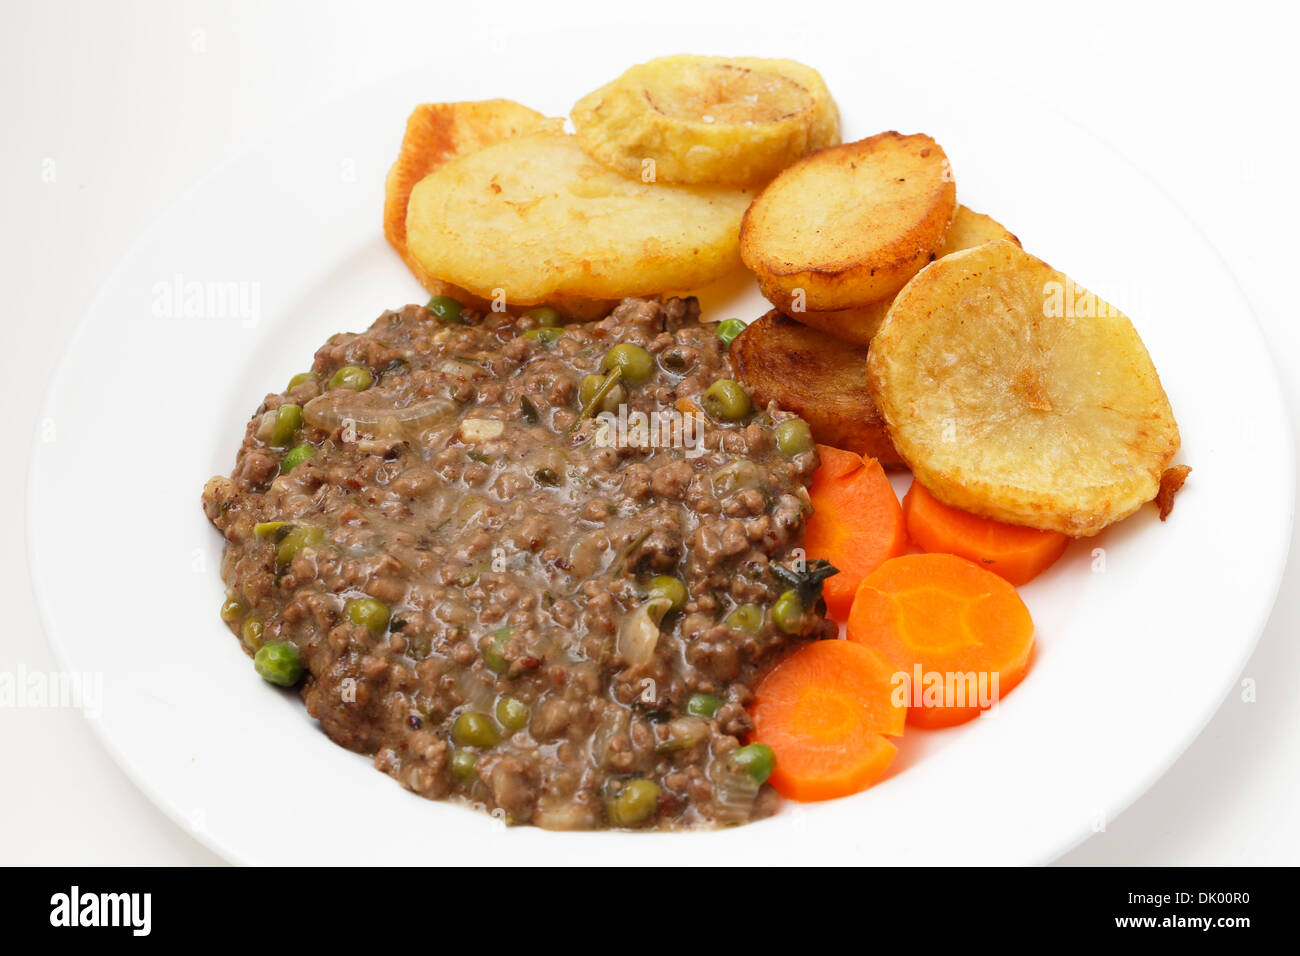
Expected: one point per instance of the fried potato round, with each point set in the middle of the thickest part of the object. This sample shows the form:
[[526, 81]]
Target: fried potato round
[[819, 378], [704, 119], [970, 229], [435, 134], [536, 218], [850, 224], [1015, 394], [859, 324]]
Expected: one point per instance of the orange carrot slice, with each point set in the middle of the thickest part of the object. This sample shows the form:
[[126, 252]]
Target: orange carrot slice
[[856, 524], [961, 634], [825, 711], [1017, 554]]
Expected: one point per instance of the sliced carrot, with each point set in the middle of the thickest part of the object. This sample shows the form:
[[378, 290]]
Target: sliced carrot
[[825, 711], [1017, 554], [960, 634], [856, 524]]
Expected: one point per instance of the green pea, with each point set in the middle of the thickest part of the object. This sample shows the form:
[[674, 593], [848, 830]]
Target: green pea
[[787, 612], [637, 364], [368, 613], [494, 650], [355, 377], [704, 705], [298, 537], [462, 764], [295, 457], [590, 387], [251, 632], [726, 400], [512, 713], [666, 586], [544, 316], [545, 336], [232, 609], [794, 437], [634, 804], [279, 662], [300, 379], [747, 618], [475, 730], [757, 760], [446, 309], [728, 330], [288, 419]]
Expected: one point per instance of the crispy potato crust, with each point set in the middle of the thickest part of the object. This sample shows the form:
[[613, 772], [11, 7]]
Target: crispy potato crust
[[703, 119], [538, 218], [818, 378], [1015, 394], [849, 225], [1171, 482]]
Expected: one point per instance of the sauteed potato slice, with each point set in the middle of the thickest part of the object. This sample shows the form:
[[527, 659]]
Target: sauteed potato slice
[[849, 225], [1015, 394], [435, 134], [537, 218], [706, 119], [819, 378], [970, 229]]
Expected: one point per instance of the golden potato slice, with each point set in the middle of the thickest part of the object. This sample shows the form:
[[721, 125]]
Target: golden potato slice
[[435, 134], [858, 324], [850, 224], [536, 217], [970, 229], [707, 119], [819, 378], [1015, 394]]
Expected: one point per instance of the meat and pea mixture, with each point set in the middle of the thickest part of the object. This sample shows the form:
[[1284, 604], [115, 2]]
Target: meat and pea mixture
[[452, 532]]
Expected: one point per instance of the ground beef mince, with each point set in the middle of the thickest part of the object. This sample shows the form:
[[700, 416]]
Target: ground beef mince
[[553, 615]]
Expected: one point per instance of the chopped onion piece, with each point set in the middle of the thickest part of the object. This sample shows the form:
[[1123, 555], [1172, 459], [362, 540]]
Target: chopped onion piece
[[734, 796], [638, 633], [474, 430], [337, 409], [681, 733]]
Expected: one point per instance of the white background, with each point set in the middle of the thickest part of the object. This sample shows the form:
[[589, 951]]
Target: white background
[[131, 103]]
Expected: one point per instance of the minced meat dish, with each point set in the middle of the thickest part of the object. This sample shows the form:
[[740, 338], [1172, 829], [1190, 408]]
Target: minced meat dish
[[528, 565]]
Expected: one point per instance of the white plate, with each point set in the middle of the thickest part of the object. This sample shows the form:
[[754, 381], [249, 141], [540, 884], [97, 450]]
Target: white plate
[[1142, 631]]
